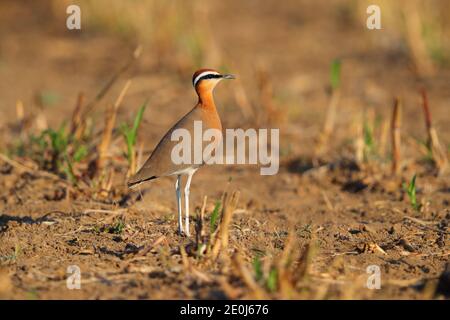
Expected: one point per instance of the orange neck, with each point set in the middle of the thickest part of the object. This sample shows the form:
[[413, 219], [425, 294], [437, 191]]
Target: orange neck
[[205, 97]]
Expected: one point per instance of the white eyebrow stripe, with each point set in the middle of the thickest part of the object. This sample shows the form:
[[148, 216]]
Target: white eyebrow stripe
[[204, 74]]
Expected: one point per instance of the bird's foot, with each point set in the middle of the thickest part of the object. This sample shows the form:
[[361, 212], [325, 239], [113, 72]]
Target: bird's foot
[[183, 233]]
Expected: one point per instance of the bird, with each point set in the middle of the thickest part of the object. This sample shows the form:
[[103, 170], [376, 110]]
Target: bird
[[159, 164]]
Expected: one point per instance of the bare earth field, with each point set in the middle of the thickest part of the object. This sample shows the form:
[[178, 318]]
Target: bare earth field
[[309, 232]]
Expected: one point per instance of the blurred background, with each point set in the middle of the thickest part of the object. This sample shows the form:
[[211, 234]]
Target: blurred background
[[280, 53]]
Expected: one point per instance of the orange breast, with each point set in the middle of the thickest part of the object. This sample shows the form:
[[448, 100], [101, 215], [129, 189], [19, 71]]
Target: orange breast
[[210, 118]]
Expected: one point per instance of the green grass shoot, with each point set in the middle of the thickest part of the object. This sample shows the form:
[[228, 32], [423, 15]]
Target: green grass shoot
[[55, 150], [335, 74], [69, 169], [272, 280], [257, 268], [48, 98], [130, 132], [411, 192], [118, 227], [58, 139], [369, 141], [214, 217]]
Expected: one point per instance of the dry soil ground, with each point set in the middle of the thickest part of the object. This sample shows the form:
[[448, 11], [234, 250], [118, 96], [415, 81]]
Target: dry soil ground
[[353, 215]]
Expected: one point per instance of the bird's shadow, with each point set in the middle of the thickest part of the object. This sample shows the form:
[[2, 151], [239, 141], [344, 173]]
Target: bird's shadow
[[5, 219]]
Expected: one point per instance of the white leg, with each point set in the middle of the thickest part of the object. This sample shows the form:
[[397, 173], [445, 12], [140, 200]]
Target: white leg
[[186, 199], [178, 193]]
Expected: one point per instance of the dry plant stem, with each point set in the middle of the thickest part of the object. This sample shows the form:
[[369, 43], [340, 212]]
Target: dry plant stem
[[330, 121], [184, 258], [214, 239], [21, 120], [221, 241], [305, 259], [439, 155], [230, 292], [146, 250], [20, 112], [227, 214], [140, 155], [243, 102], [107, 183], [41, 121], [133, 165], [110, 121], [415, 39], [384, 138], [119, 211], [427, 114], [395, 136], [137, 52], [287, 250], [286, 286], [266, 97], [359, 142], [327, 201], [199, 235], [331, 113], [76, 125]]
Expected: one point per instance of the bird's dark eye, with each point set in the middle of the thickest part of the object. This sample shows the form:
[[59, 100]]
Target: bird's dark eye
[[210, 76]]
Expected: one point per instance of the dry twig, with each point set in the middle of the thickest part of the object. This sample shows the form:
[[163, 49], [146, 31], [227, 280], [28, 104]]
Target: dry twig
[[395, 136]]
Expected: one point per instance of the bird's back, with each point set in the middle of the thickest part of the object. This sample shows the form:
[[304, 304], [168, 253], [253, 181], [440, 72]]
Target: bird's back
[[160, 162]]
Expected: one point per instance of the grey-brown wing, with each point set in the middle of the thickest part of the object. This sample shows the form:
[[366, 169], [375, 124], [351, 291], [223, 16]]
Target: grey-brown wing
[[160, 161]]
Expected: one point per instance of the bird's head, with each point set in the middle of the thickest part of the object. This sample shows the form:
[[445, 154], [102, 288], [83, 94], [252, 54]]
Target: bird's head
[[207, 79]]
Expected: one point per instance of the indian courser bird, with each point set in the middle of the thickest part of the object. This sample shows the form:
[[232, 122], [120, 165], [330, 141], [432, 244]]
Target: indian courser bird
[[160, 162]]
